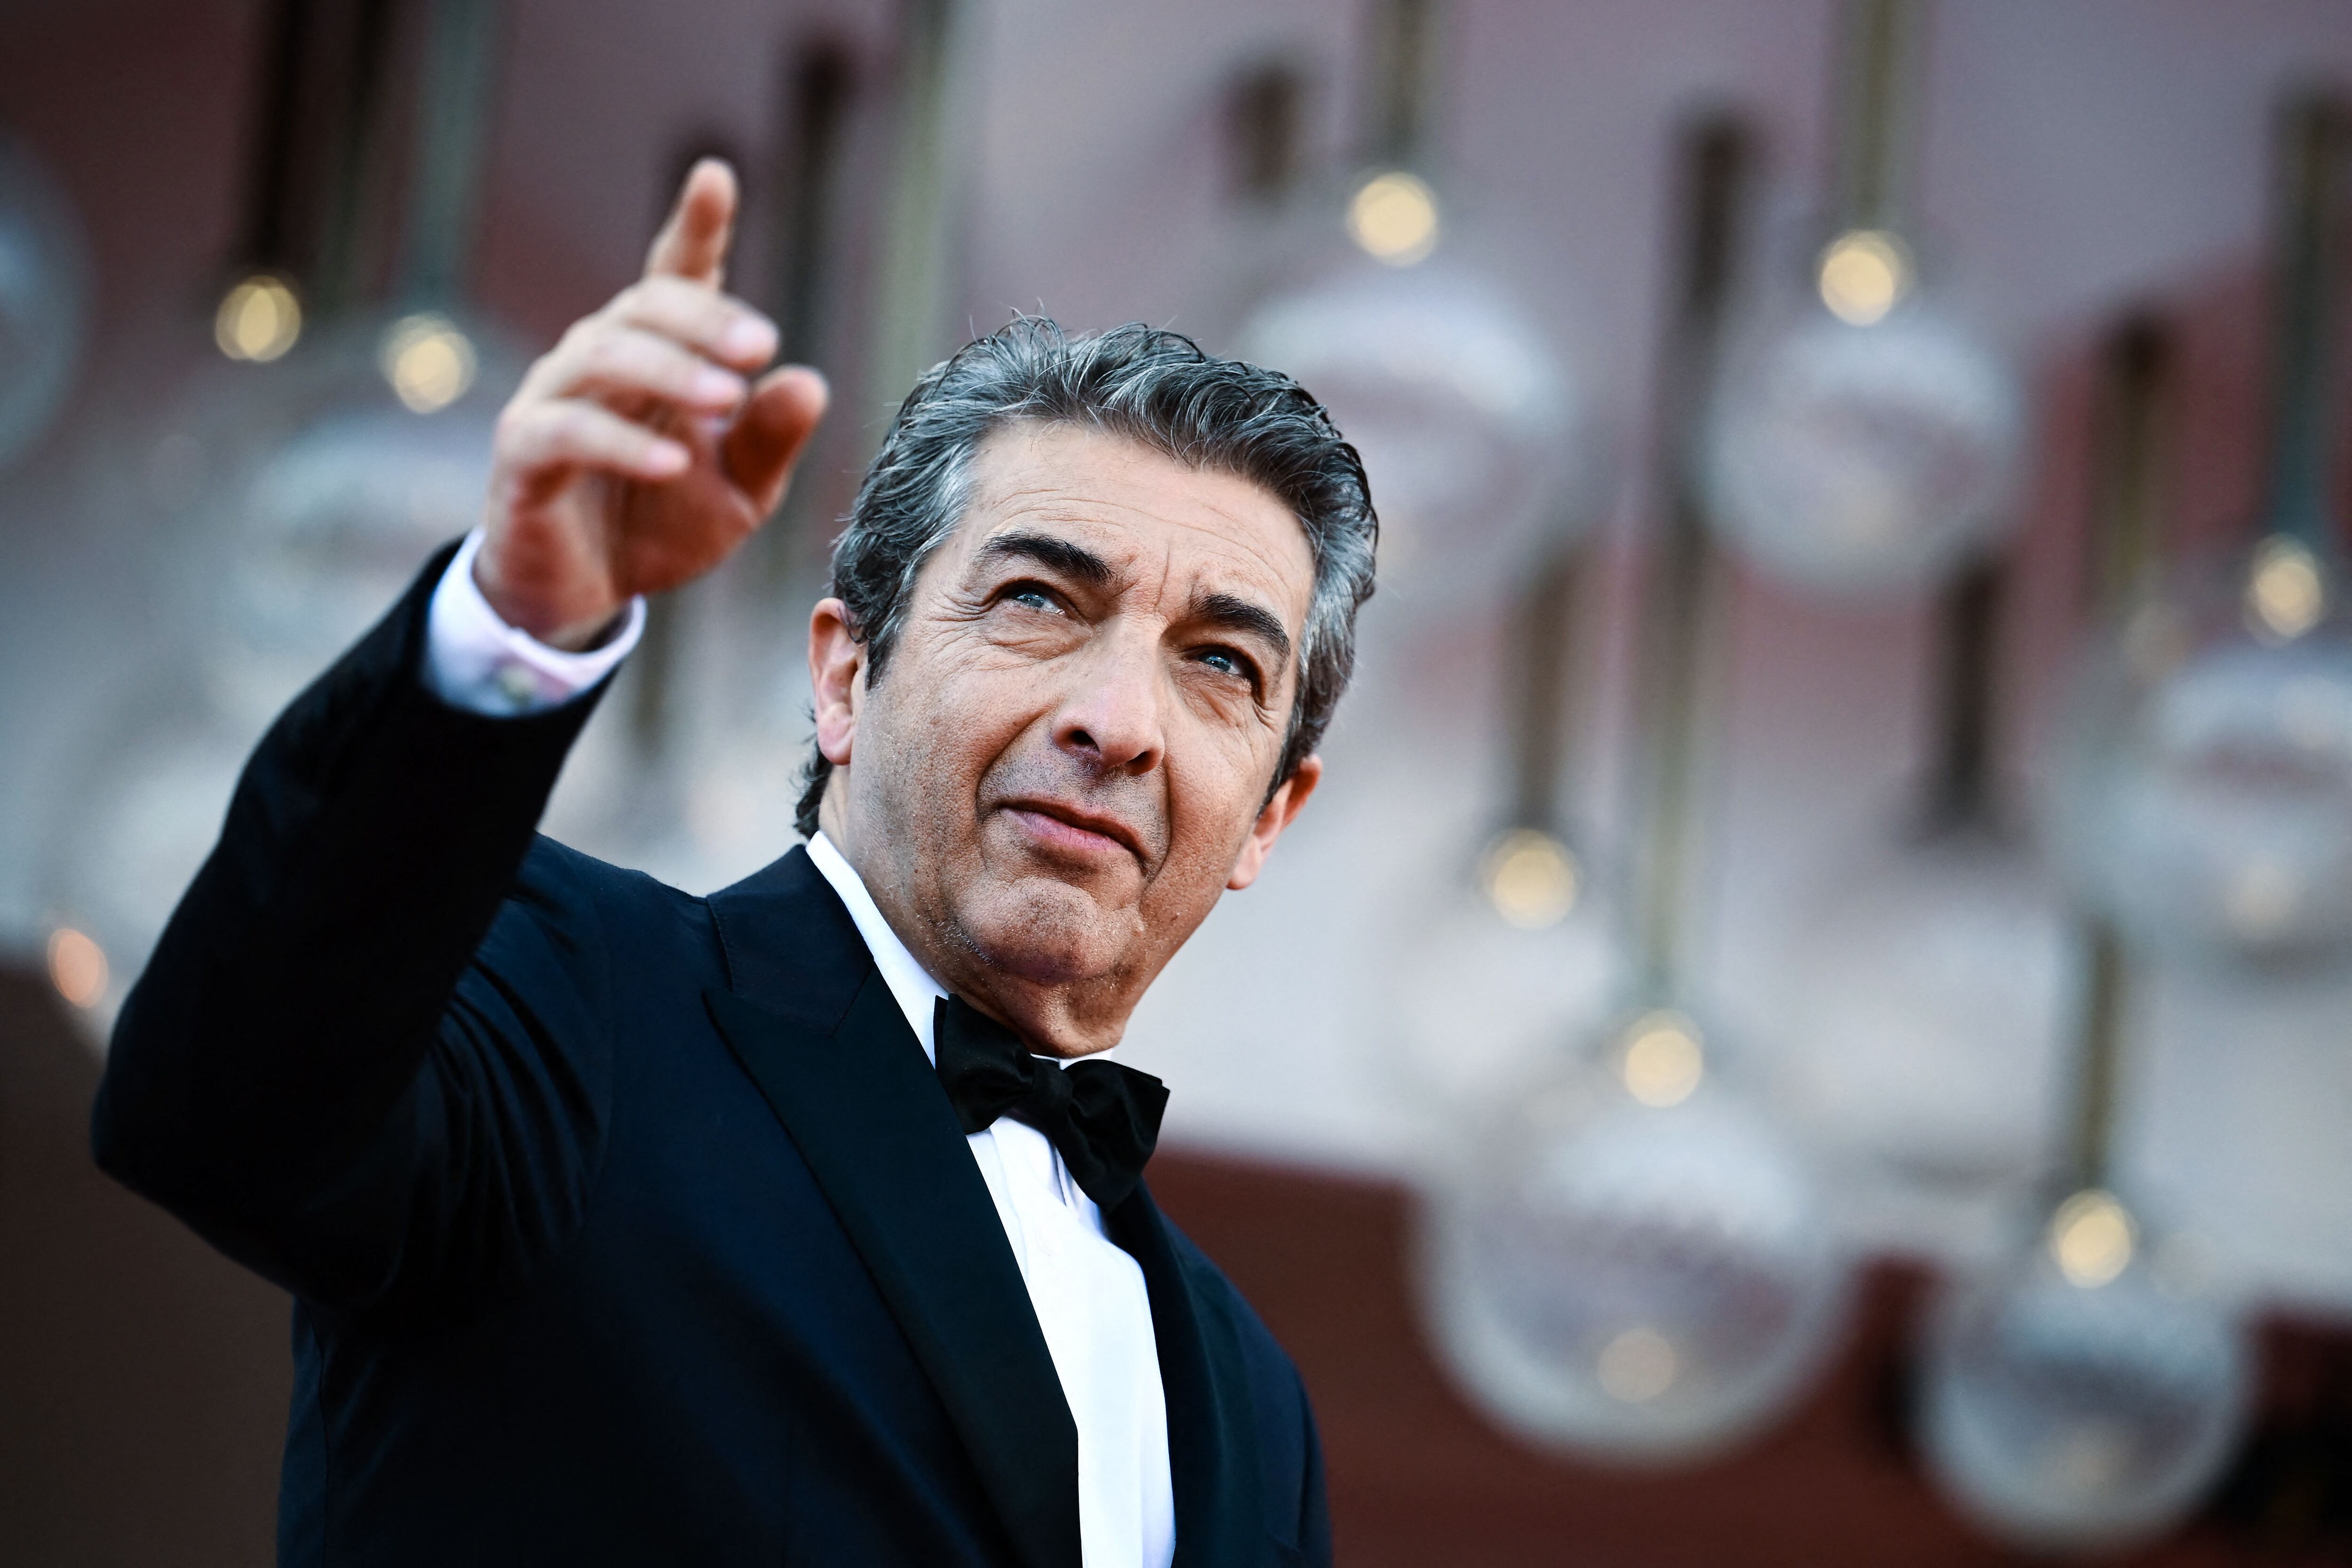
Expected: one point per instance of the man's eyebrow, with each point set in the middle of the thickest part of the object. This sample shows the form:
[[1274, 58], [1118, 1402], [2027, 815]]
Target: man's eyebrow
[[1239, 614], [1055, 555]]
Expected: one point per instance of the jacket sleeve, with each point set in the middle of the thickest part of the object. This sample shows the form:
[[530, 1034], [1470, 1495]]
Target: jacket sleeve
[[367, 1059]]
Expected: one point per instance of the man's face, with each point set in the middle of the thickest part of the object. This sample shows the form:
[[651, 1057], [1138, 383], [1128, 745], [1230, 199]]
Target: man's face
[[1066, 758]]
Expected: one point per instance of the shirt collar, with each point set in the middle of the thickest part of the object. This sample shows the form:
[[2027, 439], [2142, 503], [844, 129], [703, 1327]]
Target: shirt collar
[[911, 985]]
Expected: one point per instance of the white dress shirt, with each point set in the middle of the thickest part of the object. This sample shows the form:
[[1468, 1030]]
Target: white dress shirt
[[1088, 1294]]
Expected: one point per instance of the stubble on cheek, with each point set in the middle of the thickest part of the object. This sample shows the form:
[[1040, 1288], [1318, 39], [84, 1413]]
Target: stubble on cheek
[[924, 829]]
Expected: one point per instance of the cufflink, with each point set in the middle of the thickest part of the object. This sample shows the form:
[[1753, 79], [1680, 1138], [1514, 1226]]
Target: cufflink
[[517, 682]]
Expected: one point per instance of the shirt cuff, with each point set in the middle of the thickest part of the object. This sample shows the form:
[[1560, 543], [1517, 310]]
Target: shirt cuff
[[473, 660]]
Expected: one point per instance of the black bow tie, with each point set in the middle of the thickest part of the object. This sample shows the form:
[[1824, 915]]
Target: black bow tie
[[1102, 1116]]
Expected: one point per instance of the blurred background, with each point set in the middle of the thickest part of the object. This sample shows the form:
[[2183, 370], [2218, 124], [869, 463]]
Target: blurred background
[[1811, 1018]]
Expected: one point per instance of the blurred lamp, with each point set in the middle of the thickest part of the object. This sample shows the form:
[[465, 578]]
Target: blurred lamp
[[1857, 457], [1863, 440], [1469, 421], [1464, 415], [1393, 218], [2208, 806], [1864, 273], [1634, 1263], [1628, 1260], [427, 360], [2083, 1393], [2086, 1399], [2226, 831]]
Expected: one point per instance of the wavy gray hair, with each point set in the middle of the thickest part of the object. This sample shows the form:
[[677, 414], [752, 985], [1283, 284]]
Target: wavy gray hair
[[1151, 386]]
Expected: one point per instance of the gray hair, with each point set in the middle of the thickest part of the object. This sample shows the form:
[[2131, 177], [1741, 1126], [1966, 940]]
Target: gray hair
[[1151, 386]]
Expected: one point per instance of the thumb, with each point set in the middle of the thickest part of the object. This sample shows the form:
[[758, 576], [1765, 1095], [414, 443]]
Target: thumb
[[768, 435]]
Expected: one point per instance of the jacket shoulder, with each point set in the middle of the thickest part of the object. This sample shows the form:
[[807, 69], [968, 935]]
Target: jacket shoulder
[[553, 872]]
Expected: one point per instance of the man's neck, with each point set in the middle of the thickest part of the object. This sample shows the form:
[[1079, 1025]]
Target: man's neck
[[1045, 1017]]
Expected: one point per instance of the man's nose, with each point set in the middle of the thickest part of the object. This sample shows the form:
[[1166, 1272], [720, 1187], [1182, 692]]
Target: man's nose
[[1112, 718]]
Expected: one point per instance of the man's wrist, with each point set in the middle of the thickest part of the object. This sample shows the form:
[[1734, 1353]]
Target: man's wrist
[[475, 658], [563, 627]]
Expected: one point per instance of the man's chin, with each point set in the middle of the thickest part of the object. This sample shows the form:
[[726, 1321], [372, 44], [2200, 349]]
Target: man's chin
[[1046, 931]]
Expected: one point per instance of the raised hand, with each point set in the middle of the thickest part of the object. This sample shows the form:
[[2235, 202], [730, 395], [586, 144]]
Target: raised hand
[[638, 453]]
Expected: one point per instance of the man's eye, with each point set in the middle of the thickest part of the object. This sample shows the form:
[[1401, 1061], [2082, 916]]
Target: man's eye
[[1031, 595], [1225, 662]]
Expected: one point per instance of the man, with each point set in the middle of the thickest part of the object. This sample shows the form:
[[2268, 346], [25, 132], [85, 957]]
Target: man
[[627, 1226]]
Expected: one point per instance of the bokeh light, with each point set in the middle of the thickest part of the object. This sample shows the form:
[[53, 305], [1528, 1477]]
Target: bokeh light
[[77, 967], [428, 360], [1663, 1061], [2286, 593], [2092, 1237], [260, 318], [1864, 274], [1638, 1365], [1394, 216], [1531, 877]]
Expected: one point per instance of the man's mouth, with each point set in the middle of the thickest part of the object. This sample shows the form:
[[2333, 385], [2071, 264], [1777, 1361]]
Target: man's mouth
[[1059, 828]]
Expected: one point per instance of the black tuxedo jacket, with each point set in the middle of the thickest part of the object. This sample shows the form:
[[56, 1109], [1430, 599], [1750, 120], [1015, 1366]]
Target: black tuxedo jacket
[[624, 1227]]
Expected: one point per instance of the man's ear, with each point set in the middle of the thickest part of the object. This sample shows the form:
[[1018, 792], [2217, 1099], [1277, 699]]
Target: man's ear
[[1281, 806], [837, 660]]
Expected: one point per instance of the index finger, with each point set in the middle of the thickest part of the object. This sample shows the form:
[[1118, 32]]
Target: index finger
[[692, 244]]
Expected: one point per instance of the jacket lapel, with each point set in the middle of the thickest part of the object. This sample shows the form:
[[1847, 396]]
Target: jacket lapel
[[1211, 1438], [833, 1056]]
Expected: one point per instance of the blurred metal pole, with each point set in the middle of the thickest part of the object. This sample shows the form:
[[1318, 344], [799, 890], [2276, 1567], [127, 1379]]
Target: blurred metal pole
[[452, 125], [1875, 112], [910, 333], [819, 83], [1540, 676], [266, 234], [2125, 572], [2310, 160], [1674, 606], [1264, 115], [358, 175], [1962, 797], [1400, 106], [2125, 548]]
